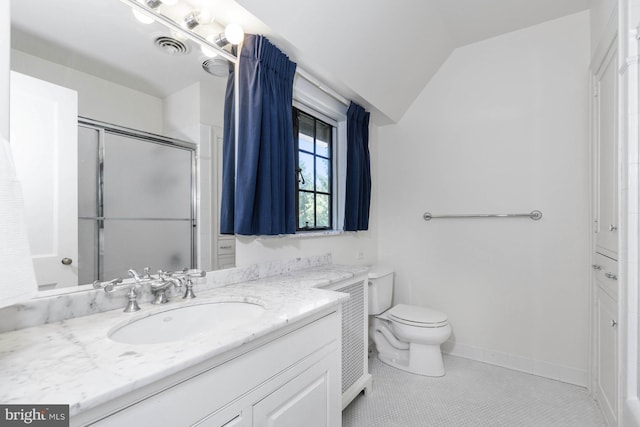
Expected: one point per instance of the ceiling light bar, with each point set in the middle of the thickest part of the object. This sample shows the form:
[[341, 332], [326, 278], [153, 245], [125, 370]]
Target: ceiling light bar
[[196, 38]]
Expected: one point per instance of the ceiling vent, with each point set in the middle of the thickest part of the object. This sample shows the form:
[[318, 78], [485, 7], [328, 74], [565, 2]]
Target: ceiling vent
[[171, 46], [218, 67]]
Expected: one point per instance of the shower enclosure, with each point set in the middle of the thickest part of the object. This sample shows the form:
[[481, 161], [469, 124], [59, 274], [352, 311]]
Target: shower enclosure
[[136, 202]]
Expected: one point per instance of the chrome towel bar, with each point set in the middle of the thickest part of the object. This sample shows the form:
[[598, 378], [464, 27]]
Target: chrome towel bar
[[534, 215]]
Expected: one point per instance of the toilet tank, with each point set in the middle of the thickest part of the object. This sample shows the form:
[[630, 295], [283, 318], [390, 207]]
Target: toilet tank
[[380, 289]]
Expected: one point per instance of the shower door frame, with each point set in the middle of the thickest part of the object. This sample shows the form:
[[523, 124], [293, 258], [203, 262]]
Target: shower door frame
[[102, 128]]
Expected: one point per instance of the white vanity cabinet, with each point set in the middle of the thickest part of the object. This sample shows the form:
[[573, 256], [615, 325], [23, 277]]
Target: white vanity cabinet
[[288, 378]]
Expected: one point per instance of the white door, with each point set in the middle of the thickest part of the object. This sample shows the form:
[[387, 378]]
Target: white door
[[607, 138], [44, 142]]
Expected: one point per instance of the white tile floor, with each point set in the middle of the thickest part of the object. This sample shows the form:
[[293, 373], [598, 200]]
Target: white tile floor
[[470, 394]]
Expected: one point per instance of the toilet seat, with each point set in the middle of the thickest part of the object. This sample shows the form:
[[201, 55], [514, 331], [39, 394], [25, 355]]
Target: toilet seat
[[421, 317]]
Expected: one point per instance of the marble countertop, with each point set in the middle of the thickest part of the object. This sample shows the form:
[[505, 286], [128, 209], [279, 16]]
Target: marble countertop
[[74, 362]]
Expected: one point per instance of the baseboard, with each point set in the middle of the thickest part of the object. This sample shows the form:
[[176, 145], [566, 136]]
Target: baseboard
[[565, 374]]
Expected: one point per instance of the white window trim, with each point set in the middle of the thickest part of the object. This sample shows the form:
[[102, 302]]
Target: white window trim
[[327, 109]]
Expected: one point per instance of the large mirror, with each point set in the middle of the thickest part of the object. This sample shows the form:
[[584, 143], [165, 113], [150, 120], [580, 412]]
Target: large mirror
[[131, 80]]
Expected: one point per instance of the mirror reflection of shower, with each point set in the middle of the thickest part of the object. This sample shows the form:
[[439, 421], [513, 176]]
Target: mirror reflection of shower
[[119, 75], [136, 202]]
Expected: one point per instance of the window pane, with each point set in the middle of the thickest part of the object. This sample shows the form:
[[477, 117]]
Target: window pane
[[323, 138], [322, 174], [306, 208], [305, 143], [306, 133], [306, 166], [322, 210]]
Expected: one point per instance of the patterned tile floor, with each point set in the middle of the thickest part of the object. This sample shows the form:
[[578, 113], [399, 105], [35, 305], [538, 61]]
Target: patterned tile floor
[[470, 394]]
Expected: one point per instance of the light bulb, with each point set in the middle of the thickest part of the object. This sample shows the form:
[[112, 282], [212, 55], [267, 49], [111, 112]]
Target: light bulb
[[234, 33], [145, 19], [205, 16], [197, 17], [210, 53]]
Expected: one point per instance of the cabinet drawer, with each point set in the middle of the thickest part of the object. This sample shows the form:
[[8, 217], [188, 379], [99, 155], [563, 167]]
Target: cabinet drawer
[[226, 246], [606, 273], [226, 261]]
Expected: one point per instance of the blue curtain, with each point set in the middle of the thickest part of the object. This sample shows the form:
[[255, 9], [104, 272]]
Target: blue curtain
[[228, 157], [358, 191], [264, 201]]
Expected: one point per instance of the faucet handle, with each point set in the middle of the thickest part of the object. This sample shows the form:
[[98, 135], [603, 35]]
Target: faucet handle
[[146, 274], [109, 286], [134, 274]]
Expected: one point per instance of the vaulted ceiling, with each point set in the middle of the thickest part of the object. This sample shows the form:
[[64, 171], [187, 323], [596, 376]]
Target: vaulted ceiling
[[382, 53]]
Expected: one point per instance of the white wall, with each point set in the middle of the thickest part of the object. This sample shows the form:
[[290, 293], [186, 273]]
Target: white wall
[[182, 113], [98, 99], [601, 14], [212, 93], [502, 127]]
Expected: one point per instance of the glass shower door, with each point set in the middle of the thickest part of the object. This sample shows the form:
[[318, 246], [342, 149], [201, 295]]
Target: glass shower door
[[147, 206], [136, 205]]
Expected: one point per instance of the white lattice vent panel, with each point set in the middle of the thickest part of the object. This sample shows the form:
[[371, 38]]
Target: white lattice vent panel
[[353, 333]]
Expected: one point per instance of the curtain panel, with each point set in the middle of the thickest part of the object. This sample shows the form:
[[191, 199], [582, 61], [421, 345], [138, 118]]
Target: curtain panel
[[264, 199], [227, 198], [358, 181]]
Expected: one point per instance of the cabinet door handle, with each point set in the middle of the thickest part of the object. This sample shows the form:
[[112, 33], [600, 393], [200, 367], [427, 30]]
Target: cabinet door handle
[[612, 227], [596, 267], [613, 323], [611, 276]]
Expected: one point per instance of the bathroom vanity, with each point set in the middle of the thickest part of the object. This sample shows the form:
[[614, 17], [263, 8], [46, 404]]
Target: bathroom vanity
[[281, 368], [287, 376]]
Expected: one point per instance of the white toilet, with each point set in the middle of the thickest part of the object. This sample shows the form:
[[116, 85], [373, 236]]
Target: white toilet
[[407, 337]]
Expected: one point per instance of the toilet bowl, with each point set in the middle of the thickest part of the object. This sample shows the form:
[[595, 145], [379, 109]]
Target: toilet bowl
[[407, 337], [411, 342]]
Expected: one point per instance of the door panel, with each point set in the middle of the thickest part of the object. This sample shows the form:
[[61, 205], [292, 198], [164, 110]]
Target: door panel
[[44, 128]]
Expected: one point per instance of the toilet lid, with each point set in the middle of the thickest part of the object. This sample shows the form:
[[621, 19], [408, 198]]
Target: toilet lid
[[412, 314]]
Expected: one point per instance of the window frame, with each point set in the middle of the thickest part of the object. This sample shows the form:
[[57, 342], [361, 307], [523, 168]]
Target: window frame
[[333, 185]]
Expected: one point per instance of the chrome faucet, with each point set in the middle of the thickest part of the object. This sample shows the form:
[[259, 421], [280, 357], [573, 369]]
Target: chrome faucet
[[159, 288], [159, 285], [114, 285], [188, 275], [146, 276]]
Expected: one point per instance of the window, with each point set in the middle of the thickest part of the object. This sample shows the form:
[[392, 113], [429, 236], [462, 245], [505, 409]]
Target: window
[[314, 171]]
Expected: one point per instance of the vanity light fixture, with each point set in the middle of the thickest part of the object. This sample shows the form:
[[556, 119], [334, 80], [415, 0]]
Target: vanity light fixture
[[197, 17], [233, 33], [209, 53], [151, 4], [143, 18], [190, 25]]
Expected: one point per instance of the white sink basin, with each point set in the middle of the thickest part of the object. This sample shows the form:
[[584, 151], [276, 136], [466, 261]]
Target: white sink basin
[[180, 322]]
